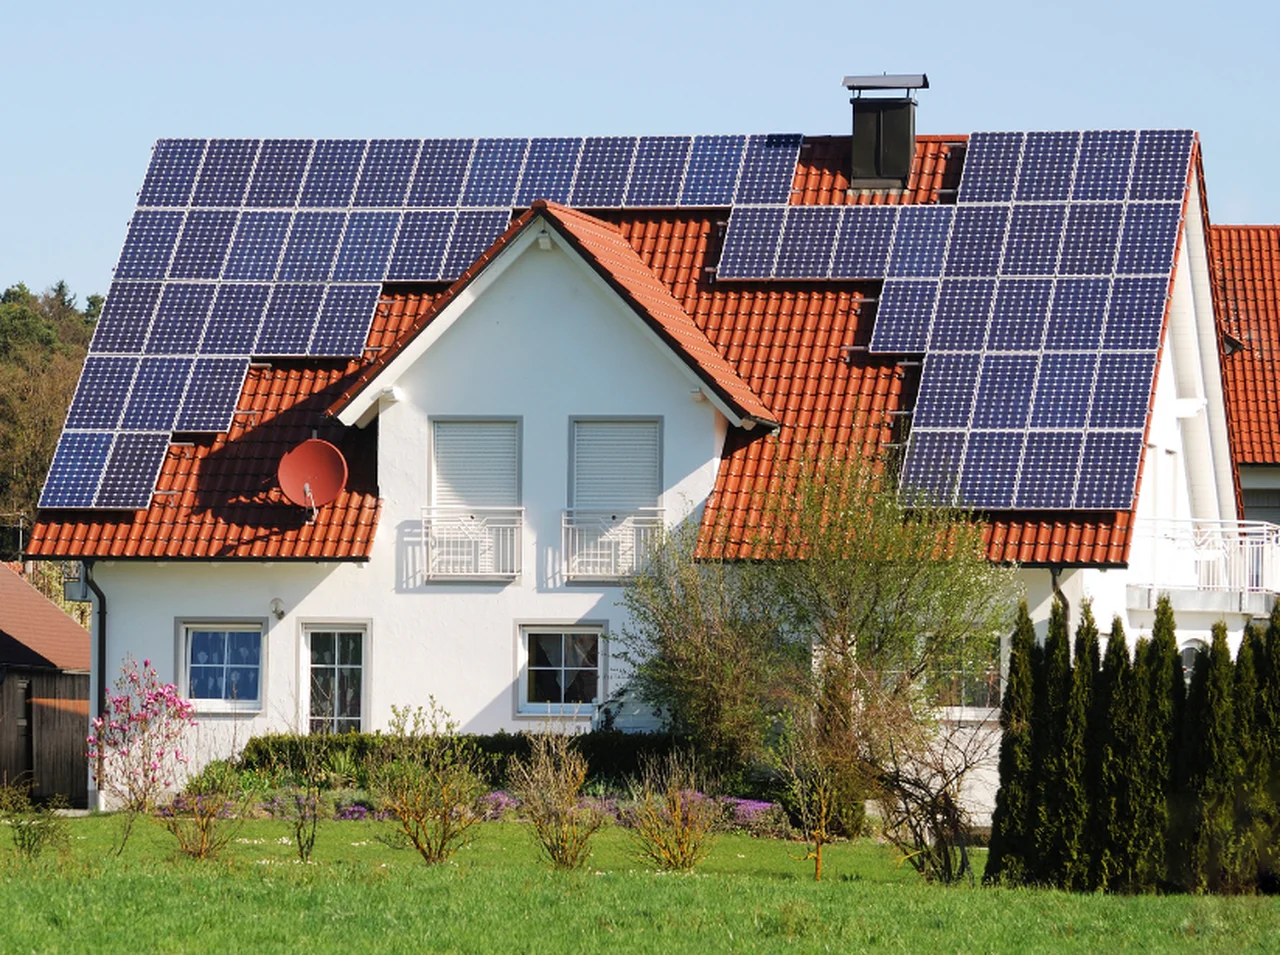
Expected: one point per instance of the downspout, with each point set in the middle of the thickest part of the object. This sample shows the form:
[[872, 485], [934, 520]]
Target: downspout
[[102, 650]]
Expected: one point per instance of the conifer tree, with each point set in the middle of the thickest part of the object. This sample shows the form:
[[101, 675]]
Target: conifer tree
[[1012, 822], [1213, 774], [1147, 810], [1074, 822], [1109, 734], [1165, 693], [1252, 814], [1048, 736], [1267, 663]]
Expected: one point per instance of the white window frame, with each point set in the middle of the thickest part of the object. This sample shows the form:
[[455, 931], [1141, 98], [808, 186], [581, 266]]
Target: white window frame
[[571, 711], [310, 627], [186, 626]]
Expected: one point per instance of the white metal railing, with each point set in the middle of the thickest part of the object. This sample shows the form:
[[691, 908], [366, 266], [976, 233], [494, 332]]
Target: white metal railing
[[1242, 556], [472, 542], [608, 543]]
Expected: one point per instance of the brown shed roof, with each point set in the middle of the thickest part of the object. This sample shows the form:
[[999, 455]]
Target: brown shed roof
[[34, 632]]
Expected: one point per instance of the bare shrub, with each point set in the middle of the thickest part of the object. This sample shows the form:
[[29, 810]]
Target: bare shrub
[[813, 787], [209, 812], [672, 821], [549, 786], [33, 828], [431, 780]]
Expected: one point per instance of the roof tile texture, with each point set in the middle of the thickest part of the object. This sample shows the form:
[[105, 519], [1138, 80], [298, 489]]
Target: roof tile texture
[[38, 633]]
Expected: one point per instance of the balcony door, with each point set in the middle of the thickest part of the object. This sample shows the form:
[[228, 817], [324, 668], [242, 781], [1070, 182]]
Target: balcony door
[[615, 487], [473, 523]]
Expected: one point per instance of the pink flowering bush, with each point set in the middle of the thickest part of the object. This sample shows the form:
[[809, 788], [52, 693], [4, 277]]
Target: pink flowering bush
[[135, 748]]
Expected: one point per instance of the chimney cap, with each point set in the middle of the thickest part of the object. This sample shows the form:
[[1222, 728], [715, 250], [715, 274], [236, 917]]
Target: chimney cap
[[888, 81]]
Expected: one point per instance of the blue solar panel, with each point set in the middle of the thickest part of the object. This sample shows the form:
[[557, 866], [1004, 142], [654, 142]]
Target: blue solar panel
[[1161, 165], [1135, 314], [712, 175], [1122, 390], [255, 250], [920, 241], [277, 177], [122, 327], [101, 393], [495, 170], [932, 468], [808, 237], [442, 167], [475, 231], [548, 170], [768, 168], [419, 252], [1102, 171], [1048, 474], [291, 316], [976, 240], [179, 321], [658, 171], [990, 167], [149, 245], [862, 251], [343, 327], [1018, 318], [602, 171], [1076, 316], [751, 243], [311, 246], [1089, 245], [1109, 470], [331, 177], [211, 396], [946, 391], [129, 477], [366, 246], [1063, 389], [1149, 238], [233, 323], [205, 239], [904, 316], [76, 470], [388, 167], [156, 394], [1004, 391], [1048, 160], [224, 175], [172, 173], [964, 309], [991, 464], [1034, 239]]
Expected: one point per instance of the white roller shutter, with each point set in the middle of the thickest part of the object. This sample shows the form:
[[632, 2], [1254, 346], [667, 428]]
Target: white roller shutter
[[476, 464], [615, 464]]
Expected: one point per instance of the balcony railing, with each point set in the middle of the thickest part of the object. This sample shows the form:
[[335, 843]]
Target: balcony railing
[[1239, 556], [603, 544], [482, 543]]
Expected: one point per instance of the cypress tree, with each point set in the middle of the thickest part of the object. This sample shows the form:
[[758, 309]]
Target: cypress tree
[[1267, 663], [1012, 821], [1252, 797], [1113, 734], [1074, 822], [1148, 811], [1211, 728], [1166, 688], [1048, 736]]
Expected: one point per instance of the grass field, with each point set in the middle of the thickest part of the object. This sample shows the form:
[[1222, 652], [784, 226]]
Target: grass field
[[751, 895]]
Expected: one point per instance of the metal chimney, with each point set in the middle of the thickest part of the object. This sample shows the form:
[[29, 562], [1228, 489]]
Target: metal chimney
[[884, 129]]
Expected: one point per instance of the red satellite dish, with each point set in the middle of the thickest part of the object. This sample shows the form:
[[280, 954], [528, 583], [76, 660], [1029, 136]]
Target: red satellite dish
[[312, 474]]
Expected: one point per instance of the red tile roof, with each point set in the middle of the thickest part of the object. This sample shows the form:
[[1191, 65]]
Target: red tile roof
[[1245, 262], [36, 633]]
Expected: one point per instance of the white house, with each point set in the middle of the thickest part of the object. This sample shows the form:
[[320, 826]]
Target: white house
[[523, 403]]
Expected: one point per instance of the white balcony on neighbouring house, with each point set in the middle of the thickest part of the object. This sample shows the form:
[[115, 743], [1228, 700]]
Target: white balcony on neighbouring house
[[608, 544], [472, 543], [1239, 560]]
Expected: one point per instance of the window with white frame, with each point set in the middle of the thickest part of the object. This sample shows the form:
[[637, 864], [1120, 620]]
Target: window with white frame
[[1191, 650], [561, 671], [336, 679], [223, 665]]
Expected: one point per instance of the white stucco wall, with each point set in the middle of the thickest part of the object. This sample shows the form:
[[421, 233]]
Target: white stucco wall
[[546, 341]]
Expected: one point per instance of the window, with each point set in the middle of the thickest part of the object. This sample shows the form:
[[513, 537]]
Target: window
[[1191, 650], [561, 672], [224, 665], [337, 680]]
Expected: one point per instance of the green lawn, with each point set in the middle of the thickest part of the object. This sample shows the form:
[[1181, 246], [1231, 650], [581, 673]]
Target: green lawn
[[751, 896]]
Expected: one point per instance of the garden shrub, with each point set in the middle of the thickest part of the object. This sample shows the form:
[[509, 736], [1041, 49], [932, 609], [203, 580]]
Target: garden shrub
[[672, 822], [33, 828], [549, 786]]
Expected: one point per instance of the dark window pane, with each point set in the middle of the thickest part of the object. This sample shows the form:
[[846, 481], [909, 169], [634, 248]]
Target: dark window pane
[[544, 649], [322, 690], [242, 683], [349, 649], [347, 726], [581, 686], [243, 648], [580, 650], [206, 683], [320, 726], [207, 647], [544, 686], [349, 692], [322, 648]]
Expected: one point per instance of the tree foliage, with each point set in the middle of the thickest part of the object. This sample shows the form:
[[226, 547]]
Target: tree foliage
[[1011, 851]]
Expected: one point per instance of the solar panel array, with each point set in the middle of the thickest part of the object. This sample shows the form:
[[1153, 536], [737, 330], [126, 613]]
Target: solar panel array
[[1037, 301], [278, 248]]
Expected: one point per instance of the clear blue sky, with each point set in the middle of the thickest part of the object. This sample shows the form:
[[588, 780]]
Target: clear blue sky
[[87, 87]]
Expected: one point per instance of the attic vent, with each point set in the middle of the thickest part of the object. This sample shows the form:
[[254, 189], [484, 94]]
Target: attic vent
[[884, 129]]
